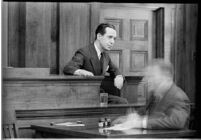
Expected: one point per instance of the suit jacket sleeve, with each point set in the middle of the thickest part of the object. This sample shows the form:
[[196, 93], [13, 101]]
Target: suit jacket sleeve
[[76, 63], [175, 117]]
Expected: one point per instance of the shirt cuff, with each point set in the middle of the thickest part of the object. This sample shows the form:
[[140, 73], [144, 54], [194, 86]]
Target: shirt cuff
[[144, 122]]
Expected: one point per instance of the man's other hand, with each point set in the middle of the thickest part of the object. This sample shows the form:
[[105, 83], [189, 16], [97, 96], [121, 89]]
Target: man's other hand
[[118, 81], [82, 72]]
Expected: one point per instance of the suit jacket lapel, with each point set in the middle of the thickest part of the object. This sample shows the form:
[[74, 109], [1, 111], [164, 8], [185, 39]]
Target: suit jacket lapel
[[94, 59], [105, 63]]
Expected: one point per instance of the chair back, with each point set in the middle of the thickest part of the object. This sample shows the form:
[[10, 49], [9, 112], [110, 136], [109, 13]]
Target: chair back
[[10, 129]]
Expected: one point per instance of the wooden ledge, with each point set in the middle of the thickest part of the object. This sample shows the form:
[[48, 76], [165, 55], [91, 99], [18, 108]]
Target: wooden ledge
[[55, 78], [72, 112]]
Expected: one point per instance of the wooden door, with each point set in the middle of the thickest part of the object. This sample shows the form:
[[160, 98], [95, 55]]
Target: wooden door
[[133, 47]]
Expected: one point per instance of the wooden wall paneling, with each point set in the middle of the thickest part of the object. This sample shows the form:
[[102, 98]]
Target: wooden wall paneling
[[152, 51], [38, 34], [168, 32], [142, 93], [179, 45], [13, 37], [4, 27], [25, 72], [185, 43], [138, 60], [94, 19], [159, 33], [116, 57], [84, 25], [74, 30], [173, 39], [135, 91], [22, 35], [54, 50], [16, 34], [191, 38], [50, 93]]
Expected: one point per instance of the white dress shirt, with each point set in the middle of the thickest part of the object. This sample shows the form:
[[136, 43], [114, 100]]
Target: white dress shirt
[[98, 51]]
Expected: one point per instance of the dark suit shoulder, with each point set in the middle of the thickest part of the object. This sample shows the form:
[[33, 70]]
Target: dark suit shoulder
[[84, 51]]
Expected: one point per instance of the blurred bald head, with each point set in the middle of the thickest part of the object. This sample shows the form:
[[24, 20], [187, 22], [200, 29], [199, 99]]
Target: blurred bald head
[[158, 74], [165, 67]]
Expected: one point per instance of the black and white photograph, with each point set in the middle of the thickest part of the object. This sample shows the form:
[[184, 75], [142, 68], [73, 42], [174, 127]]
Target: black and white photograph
[[99, 70]]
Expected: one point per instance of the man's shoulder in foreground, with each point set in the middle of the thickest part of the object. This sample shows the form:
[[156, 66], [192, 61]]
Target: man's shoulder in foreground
[[179, 93]]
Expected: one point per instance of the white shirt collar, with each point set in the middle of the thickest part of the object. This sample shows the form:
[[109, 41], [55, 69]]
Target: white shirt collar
[[98, 51]]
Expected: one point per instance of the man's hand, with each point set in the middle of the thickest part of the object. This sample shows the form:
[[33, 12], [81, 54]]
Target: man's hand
[[82, 72], [119, 120], [130, 121], [118, 81]]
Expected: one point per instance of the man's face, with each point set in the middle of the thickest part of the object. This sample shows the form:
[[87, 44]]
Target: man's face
[[108, 39], [153, 77]]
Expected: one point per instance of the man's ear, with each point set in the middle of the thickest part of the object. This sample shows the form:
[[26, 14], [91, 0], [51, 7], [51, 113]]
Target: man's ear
[[99, 36]]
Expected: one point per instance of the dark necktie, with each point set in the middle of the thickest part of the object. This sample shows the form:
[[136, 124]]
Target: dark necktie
[[101, 62]]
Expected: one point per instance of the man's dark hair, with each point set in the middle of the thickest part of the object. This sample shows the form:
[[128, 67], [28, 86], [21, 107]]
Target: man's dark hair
[[101, 28]]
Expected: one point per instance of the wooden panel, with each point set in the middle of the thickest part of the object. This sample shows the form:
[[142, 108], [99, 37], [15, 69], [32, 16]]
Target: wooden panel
[[116, 57], [38, 35], [169, 23], [13, 34], [138, 60], [25, 72], [191, 37], [16, 34], [135, 91], [5, 34], [52, 92], [54, 50], [142, 92], [130, 94], [32, 27], [94, 19], [159, 33], [139, 29], [184, 47], [74, 30]]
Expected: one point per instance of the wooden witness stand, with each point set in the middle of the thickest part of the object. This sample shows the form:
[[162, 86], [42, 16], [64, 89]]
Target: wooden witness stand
[[41, 98]]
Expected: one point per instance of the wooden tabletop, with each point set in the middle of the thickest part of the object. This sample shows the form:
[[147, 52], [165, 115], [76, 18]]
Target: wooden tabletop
[[54, 131]]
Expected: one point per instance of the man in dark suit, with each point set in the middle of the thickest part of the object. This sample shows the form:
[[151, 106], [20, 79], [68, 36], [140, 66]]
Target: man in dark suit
[[93, 60], [168, 106]]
